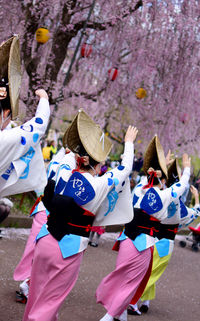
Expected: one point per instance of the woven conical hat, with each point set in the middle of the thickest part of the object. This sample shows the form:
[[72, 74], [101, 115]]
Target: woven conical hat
[[83, 130], [155, 157], [10, 67], [174, 173]]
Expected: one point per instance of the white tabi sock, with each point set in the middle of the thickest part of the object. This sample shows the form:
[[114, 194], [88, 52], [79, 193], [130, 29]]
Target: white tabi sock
[[24, 287], [146, 302], [107, 317], [123, 316], [135, 307]]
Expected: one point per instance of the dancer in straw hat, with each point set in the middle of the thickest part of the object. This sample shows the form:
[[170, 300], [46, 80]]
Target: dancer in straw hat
[[178, 215], [21, 163], [76, 200], [39, 214], [134, 260]]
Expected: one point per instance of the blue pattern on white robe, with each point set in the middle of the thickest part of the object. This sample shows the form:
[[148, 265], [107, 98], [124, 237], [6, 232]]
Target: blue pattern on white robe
[[135, 199], [112, 200], [8, 172], [78, 187], [22, 166], [151, 202], [172, 208], [26, 158], [101, 188], [184, 211]]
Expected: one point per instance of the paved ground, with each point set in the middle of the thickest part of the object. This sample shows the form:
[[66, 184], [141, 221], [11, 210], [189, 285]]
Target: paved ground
[[178, 291]]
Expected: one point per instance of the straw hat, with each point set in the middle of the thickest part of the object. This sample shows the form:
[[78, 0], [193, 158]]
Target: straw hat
[[155, 157], [10, 67], [174, 173], [84, 131]]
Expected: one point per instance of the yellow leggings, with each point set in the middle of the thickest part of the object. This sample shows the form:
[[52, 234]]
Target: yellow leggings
[[159, 266]]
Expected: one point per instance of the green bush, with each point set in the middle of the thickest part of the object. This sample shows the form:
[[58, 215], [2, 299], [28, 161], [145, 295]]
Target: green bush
[[23, 202]]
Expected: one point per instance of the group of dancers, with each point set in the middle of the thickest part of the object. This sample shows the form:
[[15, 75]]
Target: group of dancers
[[74, 200]]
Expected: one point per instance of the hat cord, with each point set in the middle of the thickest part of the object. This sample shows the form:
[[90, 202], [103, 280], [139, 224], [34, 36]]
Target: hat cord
[[153, 173], [80, 160], [150, 180], [102, 139]]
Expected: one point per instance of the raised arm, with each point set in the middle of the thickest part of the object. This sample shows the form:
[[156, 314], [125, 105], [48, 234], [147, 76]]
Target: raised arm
[[177, 189], [190, 214], [17, 141], [117, 176]]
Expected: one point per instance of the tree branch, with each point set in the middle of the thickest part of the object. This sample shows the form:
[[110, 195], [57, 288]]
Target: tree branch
[[103, 26]]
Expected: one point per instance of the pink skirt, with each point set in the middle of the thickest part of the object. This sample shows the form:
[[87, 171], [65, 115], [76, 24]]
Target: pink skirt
[[118, 288], [52, 278], [23, 269]]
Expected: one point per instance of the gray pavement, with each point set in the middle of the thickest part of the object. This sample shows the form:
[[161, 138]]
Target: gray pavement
[[178, 291]]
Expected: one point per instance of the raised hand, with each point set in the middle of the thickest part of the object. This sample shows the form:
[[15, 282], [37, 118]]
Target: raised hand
[[41, 93], [169, 158], [131, 134], [186, 161], [195, 192]]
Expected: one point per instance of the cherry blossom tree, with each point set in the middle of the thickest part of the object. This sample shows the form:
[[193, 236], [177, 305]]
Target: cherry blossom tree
[[152, 44]]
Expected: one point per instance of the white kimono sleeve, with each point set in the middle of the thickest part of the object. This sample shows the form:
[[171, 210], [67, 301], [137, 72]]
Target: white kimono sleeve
[[60, 158], [113, 194], [21, 162], [15, 142], [192, 214], [177, 189]]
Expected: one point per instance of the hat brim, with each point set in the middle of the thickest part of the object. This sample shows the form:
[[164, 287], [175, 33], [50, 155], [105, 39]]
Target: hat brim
[[71, 137], [14, 76], [4, 57], [83, 130], [174, 173], [10, 67], [155, 157]]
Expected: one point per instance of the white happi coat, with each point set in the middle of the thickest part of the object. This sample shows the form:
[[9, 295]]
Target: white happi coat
[[177, 213], [58, 159], [155, 202], [21, 162], [108, 197]]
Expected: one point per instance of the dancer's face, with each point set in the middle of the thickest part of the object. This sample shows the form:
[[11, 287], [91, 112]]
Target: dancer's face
[[4, 115], [98, 168], [3, 93]]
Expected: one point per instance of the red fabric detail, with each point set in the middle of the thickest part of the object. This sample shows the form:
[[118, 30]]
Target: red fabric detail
[[154, 219], [117, 244], [152, 229], [79, 162], [143, 284], [87, 228], [195, 230], [88, 213], [98, 229], [150, 180], [175, 230], [36, 203]]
